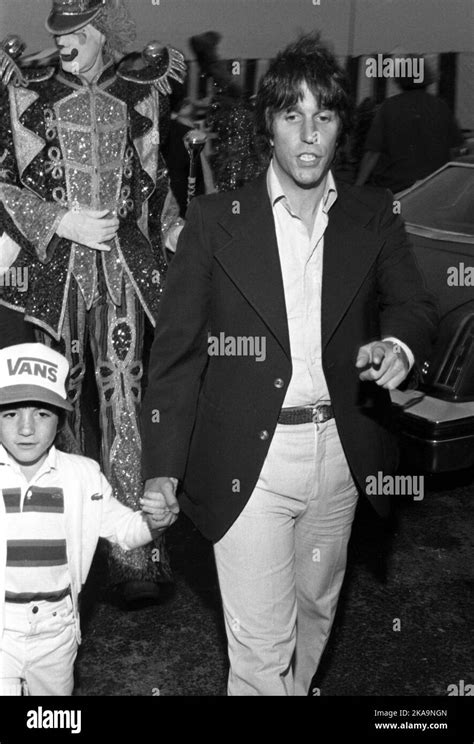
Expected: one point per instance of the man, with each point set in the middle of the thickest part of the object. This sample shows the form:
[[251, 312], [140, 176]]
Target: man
[[412, 134], [315, 310], [84, 194]]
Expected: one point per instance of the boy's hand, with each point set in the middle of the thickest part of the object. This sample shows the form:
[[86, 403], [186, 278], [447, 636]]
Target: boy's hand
[[159, 502]]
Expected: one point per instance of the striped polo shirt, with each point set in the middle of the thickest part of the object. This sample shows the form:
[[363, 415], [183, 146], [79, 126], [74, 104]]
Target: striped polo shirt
[[37, 567]]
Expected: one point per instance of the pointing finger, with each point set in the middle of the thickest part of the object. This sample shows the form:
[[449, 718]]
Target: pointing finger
[[363, 358]]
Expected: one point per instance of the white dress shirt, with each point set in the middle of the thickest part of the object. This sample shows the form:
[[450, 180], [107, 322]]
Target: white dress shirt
[[301, 259]]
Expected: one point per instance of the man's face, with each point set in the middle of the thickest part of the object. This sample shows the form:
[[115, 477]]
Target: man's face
[[304, 142], [81, 51], [27, 432]]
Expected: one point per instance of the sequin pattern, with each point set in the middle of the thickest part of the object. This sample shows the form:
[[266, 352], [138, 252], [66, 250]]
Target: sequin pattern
[[37, 220], [93, 140], [77, 146], [119, 381], [60, 183], [111, 148], [236, 159], [76, 108], [113, 266], [109, 194], [93, 136]]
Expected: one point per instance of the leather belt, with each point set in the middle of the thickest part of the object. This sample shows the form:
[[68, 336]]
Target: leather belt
[[317, 414]]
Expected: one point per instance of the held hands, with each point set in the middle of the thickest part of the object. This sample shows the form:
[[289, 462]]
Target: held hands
[[89, 227], [384, 362], [159, 502]]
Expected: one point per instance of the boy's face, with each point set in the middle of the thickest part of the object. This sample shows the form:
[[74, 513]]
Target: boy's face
[[28, 431]]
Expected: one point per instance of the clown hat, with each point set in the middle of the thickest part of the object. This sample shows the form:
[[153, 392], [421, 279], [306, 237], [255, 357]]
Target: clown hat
[[68, 16]]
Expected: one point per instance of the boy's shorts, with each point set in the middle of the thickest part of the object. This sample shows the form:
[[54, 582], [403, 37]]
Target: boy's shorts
[[38, 648]]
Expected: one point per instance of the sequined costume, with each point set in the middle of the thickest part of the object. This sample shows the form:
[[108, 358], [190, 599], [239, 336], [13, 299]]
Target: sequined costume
[[237, 157], [235, 160], [66, 144]]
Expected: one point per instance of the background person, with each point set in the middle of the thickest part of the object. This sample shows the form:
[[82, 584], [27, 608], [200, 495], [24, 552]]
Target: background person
[[412, 134], [85, 194]]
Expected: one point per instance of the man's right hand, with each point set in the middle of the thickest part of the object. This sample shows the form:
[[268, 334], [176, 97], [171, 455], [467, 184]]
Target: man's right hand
[[166, 489], [89, 227]]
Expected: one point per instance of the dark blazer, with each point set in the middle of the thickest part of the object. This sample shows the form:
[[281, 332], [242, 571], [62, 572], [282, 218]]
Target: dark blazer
[[209, 420]]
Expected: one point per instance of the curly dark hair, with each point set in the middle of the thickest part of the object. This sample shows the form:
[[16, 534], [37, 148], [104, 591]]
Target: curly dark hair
[[306, 60]]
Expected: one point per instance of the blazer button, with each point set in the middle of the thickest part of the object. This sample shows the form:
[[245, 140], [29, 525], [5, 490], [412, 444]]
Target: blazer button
[[263, 435], [278, 383]]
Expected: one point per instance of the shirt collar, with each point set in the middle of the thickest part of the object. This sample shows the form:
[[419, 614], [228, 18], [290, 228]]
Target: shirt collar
[[276, 193], [51, 462]]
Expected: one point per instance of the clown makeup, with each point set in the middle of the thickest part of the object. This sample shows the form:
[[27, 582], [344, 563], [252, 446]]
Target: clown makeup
[[81, 52]]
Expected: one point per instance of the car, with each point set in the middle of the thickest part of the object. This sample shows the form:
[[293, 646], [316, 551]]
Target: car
[[436, 420]]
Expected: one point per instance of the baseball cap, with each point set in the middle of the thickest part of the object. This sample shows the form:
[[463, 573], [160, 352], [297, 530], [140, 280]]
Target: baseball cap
[[68, 16], [33, 372]]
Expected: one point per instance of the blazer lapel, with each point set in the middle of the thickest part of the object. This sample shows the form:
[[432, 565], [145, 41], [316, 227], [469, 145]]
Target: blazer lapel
[[251, 258], [252, 261], [349, 252]]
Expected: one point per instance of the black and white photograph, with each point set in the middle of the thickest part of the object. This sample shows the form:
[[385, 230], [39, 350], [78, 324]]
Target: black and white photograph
[[237, 362]]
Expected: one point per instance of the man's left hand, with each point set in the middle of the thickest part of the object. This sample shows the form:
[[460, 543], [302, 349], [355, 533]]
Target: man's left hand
[[383, 362]]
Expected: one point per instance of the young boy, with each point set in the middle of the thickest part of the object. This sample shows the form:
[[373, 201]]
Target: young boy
[[53, 509]]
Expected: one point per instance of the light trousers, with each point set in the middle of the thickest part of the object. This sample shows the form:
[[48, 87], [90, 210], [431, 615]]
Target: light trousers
[[282, 563], [38, 649]]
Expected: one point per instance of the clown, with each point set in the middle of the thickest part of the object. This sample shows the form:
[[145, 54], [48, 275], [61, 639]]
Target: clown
[[84, 196]]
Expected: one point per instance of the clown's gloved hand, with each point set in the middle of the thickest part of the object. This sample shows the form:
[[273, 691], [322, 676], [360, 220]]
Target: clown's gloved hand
[[171, 241], [89, 227]]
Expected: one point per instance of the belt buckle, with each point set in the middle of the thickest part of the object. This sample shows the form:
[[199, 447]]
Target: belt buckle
[[319, 414]]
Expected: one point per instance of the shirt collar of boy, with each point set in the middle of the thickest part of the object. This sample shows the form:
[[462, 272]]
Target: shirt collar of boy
[[51, 462]]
